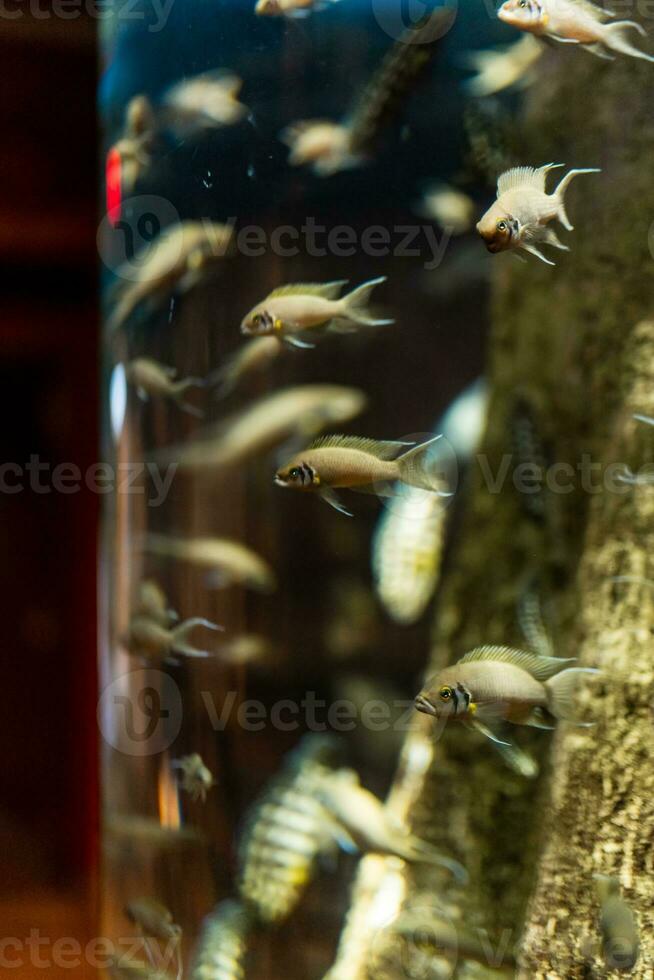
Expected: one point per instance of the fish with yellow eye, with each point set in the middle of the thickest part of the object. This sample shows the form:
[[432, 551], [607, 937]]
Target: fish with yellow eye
[[520, 216], [492, 685], [363, 465], [574, 22], [290, 312]]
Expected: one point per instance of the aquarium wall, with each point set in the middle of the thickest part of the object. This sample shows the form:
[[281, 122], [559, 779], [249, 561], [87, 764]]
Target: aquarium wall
[[331, 410]]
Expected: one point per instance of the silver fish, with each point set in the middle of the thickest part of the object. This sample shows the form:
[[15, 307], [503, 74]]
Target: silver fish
[[180, 258], [196, 778], [451, 208], [135, 146], [520, 217], [152, 379], [230, 562], [495, 684], [364, 465], [293, 313], [286, 833], [223, 943], [245, 649], [147, 638], [503, 67], [292, 414], [574, 22], [290, 8], [365, 825], [620, 940], [253, 356], [203, 102]]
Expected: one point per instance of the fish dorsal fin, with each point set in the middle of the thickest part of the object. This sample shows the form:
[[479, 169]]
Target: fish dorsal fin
[[533, 177], [597, 13], [538, 666], [328, 290], [374, 447]]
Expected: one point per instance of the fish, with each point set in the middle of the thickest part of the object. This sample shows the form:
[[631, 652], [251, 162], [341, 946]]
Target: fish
[[130, 157], [451, 208], [620, 940], [290, 8], [574, 22], [407, 549], [519, 217], [180, 257], [320, 143], [230, 562], [366, 825], [503, 67], [196, 778], [245, 649], [286, 833], [530, 618], [333, 146], [291, 312], [291, 415], [222, 946], [203, 102], [148, 638], [152, 379], [491, 685], [153, 604], [363, 465], [153, 920], [253, 356]]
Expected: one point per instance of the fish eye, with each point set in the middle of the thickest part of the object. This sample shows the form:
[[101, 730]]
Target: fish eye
[[445, 693], [256, 319], [523, 3], [294, 473], [501, 225]]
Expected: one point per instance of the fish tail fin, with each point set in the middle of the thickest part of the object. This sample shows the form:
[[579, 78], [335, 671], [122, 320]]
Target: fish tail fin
[[179, 390], [355, 305], [561, 690], [182, 633], [614, 37], [416, 468], [417, 850], [561, 189]]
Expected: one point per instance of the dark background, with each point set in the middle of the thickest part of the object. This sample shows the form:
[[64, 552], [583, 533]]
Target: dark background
[[49, 399]]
